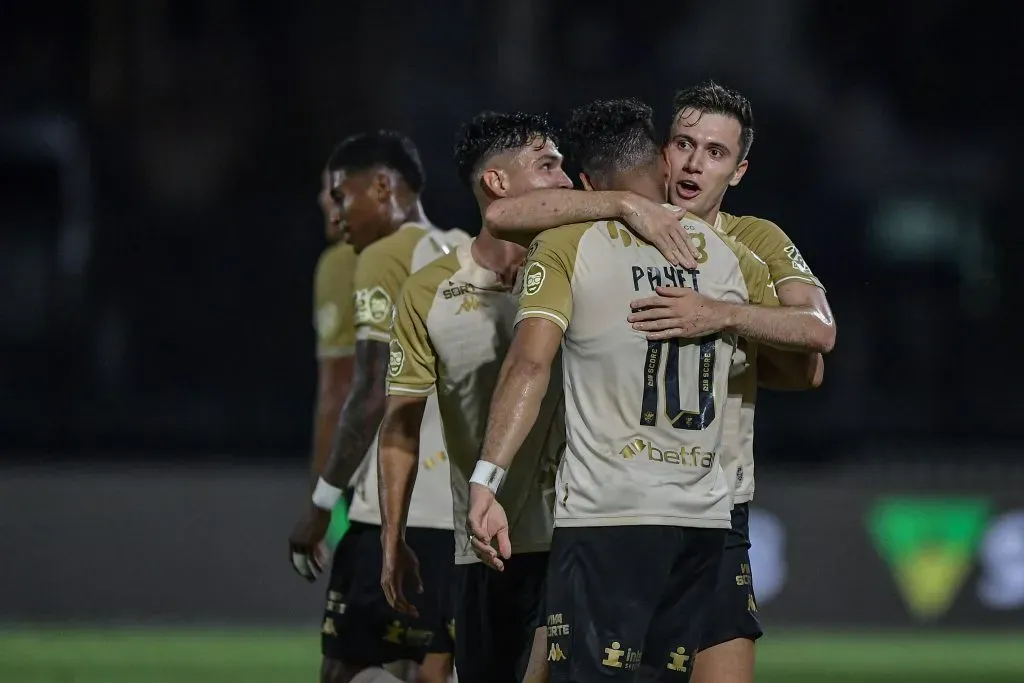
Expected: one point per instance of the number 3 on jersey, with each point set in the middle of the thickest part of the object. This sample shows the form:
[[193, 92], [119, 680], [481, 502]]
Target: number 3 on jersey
[[677, 417]]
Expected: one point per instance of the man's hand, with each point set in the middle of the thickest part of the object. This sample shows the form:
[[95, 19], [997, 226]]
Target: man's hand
[[400, 562], [305, 546], [677, 312], [660, 226], [487, 522]]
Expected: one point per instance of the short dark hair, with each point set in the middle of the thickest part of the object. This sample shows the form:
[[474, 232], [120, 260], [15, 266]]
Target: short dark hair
[[711, 98], [387, 148], [490, 133], [611, 136]]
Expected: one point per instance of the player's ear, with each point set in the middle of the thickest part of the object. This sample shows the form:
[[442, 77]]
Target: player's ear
[[737, 175], [587, 185], [494, 182], [381, 187]]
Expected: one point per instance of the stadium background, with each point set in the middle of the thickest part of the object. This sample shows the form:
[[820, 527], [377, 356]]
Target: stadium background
[[158, 169]]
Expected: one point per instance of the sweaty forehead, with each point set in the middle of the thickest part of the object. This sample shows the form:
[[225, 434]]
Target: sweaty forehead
[[707, 126], [539, 147], [342, 179]]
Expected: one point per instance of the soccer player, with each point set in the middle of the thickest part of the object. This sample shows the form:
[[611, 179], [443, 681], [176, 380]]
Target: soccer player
[[376, 180], [335, 337], [642, 505], [711, 135], [452, 327]]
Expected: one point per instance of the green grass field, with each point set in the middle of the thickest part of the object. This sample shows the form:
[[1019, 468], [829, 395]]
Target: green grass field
[[151, 656]]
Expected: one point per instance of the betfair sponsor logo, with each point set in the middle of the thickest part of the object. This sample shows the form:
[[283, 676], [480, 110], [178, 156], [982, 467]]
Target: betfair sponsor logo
[[679, 455]]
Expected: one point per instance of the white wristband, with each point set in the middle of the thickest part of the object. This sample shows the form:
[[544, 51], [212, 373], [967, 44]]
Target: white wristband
[[325, 496], [487, 474]]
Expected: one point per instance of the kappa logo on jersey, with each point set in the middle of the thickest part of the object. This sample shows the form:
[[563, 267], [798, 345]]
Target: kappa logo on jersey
[[534, 280], [327, 320], [396, 358], [797, 260], [372, 306], [555, 654]]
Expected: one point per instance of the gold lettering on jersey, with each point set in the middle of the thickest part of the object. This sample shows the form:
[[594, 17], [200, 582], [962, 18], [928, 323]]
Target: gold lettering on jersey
[[534, 279], [678, 455], [700, 243], [677, 660], [471, 303], [556, 626], [623, 235], [744, 578], [663, 276], [396, 358], [618, 658]]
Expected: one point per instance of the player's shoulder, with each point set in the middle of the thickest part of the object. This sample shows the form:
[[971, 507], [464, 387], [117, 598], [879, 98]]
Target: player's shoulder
[[748, 228], [336, 257], [423, 285], [564, 236]]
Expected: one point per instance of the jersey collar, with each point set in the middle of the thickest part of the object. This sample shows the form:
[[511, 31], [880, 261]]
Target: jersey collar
[[472, 272]]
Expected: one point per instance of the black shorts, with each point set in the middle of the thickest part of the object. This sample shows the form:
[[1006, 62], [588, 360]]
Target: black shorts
[[734, 612], [360, 628], [624, 597], [496, 616]]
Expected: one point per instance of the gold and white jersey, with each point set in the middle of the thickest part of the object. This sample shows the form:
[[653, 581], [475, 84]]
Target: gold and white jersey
[[452, 329], [785, 264], [644, 419], [382, 270]]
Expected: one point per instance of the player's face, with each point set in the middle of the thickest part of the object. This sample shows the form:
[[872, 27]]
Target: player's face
[[703, 160], [332, 216], [538, 166], [363, 214]]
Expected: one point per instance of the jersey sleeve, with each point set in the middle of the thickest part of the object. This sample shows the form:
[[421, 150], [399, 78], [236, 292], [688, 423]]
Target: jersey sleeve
[[380, 273], [758, 279], [412, 362], [773, 246], [546, 286], [332, 303]]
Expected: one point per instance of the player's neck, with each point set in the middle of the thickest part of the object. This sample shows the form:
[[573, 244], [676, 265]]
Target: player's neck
[[499, 257], [414, 214], [647, 185]]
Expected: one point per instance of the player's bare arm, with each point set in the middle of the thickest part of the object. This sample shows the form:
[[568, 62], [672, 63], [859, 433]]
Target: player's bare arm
[[520, 219], [397, 462], [804, 325], [334, 379], [360, 418], [517, 398]]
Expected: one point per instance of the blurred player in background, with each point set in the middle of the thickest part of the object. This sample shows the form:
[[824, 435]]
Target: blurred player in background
[[334, 322], [707, 151], [642, 507], [452, 328], [376, 181]]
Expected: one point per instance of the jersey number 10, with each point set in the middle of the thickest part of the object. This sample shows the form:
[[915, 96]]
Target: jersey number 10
[[677, 417]]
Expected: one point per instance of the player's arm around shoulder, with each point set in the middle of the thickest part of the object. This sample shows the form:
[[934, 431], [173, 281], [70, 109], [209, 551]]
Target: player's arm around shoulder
[[520, 219]]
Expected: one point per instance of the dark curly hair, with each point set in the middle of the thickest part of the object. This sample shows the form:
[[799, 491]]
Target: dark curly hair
[[387, 148], [490, 133], [711, 98], [611, 136]]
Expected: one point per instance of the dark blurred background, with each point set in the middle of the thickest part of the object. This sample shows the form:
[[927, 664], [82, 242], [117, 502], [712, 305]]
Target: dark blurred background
[[159, 164]]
